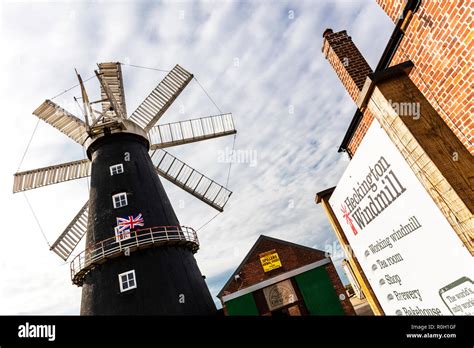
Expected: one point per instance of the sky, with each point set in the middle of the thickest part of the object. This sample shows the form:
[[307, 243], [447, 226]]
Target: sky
[[261, 61]]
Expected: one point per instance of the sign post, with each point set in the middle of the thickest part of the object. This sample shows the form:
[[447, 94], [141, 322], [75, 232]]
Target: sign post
[[323, 198]]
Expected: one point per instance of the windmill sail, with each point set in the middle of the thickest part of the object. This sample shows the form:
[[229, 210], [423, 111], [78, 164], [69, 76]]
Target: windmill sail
[[35, 178], [184, 132], [190, 180], [72, 235], [160, 99], [112, 75], [62, 120]]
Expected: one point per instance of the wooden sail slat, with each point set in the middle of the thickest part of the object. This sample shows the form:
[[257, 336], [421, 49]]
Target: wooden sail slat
[[190, 180], [148, 113], [67, 242], [31, 179], [112, 74], [162, 136], [62, 120], [75, 233], [60, 174], [49, 177], [72, 235], [41, 176], [61, 252]]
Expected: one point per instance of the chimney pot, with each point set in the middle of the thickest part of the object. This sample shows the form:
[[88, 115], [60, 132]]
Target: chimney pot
[[327, 32]]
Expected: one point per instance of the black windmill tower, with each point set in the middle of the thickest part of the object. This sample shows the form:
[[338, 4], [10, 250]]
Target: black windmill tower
[[138, 258]]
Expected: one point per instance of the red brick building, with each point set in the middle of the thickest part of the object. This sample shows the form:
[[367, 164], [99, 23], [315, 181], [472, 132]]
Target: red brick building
[[282, 278], [420, 94], [437, 36]]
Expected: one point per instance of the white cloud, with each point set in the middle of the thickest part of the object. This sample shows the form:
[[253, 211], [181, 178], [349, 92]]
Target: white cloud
[[279, 65]]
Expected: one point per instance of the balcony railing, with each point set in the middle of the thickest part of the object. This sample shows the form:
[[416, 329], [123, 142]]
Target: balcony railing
[[128, 242]]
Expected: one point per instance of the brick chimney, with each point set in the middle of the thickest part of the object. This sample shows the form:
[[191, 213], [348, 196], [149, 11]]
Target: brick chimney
[[346, 59]]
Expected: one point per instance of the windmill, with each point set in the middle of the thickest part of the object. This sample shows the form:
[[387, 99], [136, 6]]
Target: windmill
[[138, 259]]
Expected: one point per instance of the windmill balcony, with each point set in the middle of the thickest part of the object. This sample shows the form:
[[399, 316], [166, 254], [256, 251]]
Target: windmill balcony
[[131, 241]]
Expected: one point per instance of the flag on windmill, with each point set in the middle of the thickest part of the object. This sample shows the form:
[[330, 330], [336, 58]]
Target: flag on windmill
[[129, 223]]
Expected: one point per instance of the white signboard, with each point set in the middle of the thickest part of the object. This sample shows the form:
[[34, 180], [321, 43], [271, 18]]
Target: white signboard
[[280, 294], [413, 259]]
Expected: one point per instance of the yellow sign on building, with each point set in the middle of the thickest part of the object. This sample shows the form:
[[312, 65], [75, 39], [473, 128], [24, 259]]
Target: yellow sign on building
[[270, 260]]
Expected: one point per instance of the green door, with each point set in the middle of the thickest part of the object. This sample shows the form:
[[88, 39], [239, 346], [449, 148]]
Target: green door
[[243, 305], [318, 292]]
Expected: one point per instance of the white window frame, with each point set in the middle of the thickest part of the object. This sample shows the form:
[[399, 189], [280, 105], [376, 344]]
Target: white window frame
[[127, 281], [120, 236], [119, 197], [116, 169]]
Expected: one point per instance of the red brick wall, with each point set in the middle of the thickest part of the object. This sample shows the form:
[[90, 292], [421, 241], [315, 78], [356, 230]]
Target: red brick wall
[[340, 289], [439, 40], [360, 131], [347, 61], [291, 257], [393, 8]]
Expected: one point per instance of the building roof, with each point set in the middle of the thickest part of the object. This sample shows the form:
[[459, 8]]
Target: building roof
[[324, 193], [254, 247]]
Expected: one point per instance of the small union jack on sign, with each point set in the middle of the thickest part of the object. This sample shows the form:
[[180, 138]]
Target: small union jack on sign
[[121, 234]]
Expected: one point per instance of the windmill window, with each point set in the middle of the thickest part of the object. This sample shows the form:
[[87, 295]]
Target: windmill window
[[120, 200], [116, 169], [127, 281]]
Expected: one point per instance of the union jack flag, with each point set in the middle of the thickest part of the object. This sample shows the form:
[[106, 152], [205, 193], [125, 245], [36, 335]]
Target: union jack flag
[[129, 222]]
